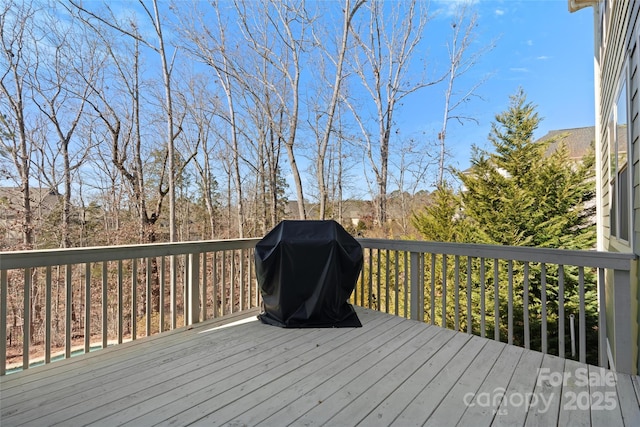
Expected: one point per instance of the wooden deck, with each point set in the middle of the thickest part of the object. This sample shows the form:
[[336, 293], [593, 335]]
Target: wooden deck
[[392, 371]]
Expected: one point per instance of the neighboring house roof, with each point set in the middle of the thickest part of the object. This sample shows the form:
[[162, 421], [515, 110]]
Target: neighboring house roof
[[575, 5], [577, 140], [43, 201]]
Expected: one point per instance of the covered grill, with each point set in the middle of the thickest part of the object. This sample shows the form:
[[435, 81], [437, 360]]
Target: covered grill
[[307, 271]]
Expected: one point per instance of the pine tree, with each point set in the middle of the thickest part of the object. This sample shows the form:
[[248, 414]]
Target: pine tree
[[440, 220], [515, 195]]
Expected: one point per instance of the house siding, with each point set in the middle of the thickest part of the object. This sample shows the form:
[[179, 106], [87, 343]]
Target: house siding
[[617, 54], [634, 62]]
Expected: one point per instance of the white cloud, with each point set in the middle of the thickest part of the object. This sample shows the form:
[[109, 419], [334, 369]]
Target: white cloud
[[543, 58], [529, 42], [499, 12], [519, 70], [450, 7]]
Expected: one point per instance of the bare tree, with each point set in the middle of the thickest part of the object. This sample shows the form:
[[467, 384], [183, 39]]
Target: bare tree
[[117, 102], [258, 70], [18, 34], [211, 45], [108, 181], [461, 59], [264, 115], [388, 42], [172, 131], [338, 62], [408, 171], [167, 64], [200, 133], [16, 21], [281, 40], [62, 79], [265, 146]]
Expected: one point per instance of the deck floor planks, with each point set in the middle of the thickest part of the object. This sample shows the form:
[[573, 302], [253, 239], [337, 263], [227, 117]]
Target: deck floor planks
[[33, 377], [629, 405], [448, 411], [366, 402], [317, 396], [154, 373], [257, 374], [154, 381], [511, 412], [425, 402], [221, 410], [343, 396], [112, 370], [247, 374], [483, 406], [570, 413], [635, 380], [544, 404], [403, 357], [128, 357], [254, 407], [136, 401], [603, 412], [217, 378]]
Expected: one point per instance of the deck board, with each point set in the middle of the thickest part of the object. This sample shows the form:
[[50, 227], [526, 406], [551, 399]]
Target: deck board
[[484, 404], [347, 393], [275, 375], [571, 414], [602, 412], [628, 401], [432, 393], [513, 411], [346, 362], [218, 382], [392, 371], [367, 362], [392, 380], [448, 411], [544, 404], [235, 412]]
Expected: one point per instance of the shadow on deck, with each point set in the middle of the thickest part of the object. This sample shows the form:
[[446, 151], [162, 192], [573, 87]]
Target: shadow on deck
[[392, 371]]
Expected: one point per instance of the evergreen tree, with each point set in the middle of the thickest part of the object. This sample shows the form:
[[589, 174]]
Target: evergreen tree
[[517, 195], [440, 221]]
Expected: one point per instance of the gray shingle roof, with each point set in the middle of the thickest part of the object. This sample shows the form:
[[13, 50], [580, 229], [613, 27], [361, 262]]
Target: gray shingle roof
[[577, 140]]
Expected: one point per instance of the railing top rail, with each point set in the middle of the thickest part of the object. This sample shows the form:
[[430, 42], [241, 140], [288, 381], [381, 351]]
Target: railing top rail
[[599, 259], [51, 257]]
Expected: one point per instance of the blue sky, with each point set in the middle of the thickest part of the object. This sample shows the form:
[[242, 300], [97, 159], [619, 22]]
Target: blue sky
[[540, 47]]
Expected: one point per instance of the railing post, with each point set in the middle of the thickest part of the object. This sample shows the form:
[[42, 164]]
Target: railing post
[[26, 319], [603, 357], [416, 287], [193, 312], [3, 321], [173, 271], [622, 351]]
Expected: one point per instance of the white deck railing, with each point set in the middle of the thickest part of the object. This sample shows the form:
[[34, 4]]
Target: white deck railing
[[448, 283], [56, 302], [62, 301]]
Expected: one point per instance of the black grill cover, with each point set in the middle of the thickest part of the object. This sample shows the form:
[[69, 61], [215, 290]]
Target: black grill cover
[[306, 271]]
